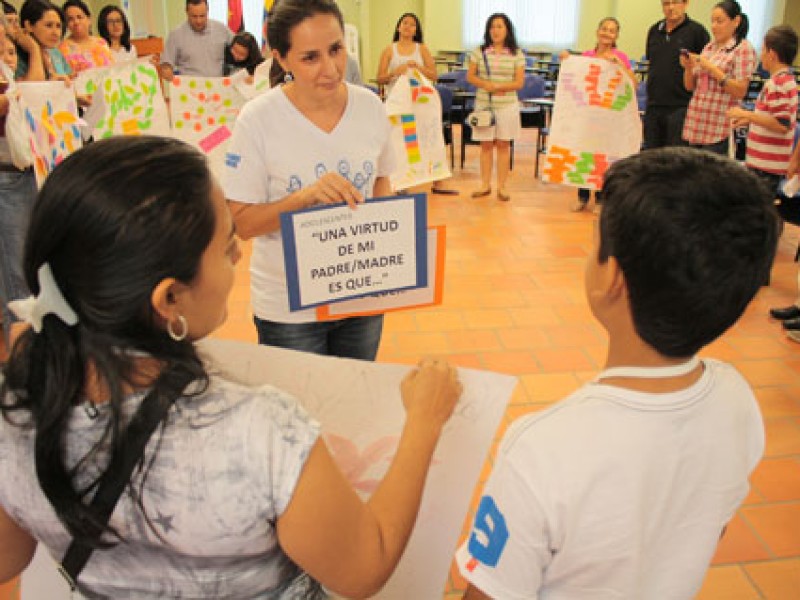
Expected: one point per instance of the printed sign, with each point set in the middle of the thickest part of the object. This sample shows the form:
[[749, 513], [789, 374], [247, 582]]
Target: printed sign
[[335, 253], [429, 295]]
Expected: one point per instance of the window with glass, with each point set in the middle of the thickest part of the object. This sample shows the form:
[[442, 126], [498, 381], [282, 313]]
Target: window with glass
[[541, 24]]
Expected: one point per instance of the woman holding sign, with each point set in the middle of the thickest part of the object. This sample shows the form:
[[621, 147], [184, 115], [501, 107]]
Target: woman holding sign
[[405, 52], [213, 489], [606, 48], [497, 69], [314, 140]]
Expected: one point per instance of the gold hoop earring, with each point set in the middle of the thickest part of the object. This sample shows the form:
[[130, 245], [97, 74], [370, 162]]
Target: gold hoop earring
[[184, 329]]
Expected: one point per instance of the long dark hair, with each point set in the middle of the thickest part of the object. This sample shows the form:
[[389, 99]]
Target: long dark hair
[[511, 39], [417, 33], [112, 221], [32, 12], [285, 16], [733, 10], [102, 26], [254, 57]]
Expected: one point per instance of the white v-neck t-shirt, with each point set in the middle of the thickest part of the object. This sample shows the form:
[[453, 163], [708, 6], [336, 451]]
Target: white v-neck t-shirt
[[275, 150]]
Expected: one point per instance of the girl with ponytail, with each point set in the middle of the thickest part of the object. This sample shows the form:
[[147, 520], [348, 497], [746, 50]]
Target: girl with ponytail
[[719, 78], [130, 256]]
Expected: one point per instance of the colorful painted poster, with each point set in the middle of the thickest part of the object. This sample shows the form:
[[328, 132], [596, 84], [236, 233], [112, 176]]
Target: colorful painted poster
[[51, 113], [129, 101], [415, 112], [203, 111], [87, 82], [595, 122]]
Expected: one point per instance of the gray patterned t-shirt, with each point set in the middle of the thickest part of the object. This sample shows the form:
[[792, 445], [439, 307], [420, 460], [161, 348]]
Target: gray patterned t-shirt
[[226, 467]]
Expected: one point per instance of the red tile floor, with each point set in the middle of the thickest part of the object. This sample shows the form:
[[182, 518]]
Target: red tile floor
[[514, 303]]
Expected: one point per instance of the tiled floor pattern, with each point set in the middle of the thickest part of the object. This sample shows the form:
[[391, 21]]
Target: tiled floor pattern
[[514, 303]]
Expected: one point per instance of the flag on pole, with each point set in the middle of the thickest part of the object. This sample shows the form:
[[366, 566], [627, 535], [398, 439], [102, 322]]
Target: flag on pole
[[235, 16]]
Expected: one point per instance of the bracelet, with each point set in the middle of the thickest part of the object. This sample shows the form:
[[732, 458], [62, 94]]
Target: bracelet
[[723, 81]]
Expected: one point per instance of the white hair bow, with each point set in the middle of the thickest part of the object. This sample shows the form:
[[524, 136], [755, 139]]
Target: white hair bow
[[50, 301]]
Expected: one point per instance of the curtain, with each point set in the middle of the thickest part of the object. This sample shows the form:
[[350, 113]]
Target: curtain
[[537, 23], [759, 12]]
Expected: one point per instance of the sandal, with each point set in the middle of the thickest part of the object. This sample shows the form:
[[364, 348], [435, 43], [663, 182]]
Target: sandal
[[504, 196], [481, 193]]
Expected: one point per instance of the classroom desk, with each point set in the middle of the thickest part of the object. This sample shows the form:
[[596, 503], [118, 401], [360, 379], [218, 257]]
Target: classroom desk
[[537, 71], [450, 63], [546, 104]]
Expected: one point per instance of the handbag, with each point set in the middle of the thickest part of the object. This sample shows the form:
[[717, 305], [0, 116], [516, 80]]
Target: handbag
[[481, 118], [485, 116]]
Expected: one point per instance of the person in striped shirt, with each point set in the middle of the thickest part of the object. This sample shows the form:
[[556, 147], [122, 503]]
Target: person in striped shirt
[[772, 123]]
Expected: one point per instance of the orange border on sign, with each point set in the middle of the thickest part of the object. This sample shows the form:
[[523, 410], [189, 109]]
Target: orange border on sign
[[324, 313]]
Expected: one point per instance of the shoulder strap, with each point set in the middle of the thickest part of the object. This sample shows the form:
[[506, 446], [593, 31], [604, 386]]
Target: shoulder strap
[[488, 73], [150, 414]]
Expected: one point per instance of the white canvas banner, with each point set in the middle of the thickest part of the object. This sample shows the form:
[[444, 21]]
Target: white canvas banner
[[415, 112], [51, 114], [203, 112], [359, 406], [129, 101], [595, 122]]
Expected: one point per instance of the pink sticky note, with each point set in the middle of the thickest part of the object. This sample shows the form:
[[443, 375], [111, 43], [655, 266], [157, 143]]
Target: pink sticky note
[[214, 139]]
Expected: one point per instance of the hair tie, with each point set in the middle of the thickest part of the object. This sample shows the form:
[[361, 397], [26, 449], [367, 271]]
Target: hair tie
[[50, 301]]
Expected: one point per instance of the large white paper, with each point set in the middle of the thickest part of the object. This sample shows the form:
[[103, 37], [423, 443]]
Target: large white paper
[[415, 112], [203, 111], [130, 101], [595, 122], [358, 404], [51, 112]]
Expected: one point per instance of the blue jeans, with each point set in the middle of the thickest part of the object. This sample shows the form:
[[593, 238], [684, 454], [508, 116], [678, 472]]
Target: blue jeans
[[17, 194], [356, 337]]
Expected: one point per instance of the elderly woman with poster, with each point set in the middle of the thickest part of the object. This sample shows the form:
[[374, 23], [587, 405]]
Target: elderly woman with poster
[[497, 69], [313, 140], [719, 78], [606, 48]]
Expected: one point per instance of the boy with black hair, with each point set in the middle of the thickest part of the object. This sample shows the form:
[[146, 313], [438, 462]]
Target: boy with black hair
[[771, 135], [623, 489]]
